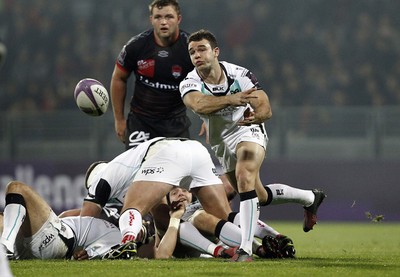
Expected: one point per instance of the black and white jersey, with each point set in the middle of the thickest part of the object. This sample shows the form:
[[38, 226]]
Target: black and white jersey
[[223, 123]]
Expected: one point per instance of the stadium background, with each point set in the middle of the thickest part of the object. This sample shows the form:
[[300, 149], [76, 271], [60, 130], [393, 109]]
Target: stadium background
[[331, 69]]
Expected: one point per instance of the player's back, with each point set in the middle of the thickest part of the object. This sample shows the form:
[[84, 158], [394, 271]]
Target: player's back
[[94, 235]]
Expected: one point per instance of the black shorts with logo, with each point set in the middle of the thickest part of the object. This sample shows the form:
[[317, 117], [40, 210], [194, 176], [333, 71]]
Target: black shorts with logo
[[140, 128]]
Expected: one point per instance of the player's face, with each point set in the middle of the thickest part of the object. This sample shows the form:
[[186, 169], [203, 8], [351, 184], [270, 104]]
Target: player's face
[[202, 55], [178, 194], [165, 22]]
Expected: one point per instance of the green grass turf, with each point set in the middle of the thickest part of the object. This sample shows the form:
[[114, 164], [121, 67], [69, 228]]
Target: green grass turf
[[331, 249]]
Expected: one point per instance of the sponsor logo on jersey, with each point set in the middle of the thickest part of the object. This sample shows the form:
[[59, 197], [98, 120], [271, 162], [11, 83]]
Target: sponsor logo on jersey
[[152, 170], [185, 86], [256, 133], [46, 241], [176, 71], [63, 228], [163, 54], [252, 77], [146, 67], [254, 130], [218, 89], [111, 213], [225, 111], [137, 138], [157, 85]]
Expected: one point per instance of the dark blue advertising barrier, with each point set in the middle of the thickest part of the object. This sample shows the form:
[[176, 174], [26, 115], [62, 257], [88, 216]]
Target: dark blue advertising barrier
[[61, 184], [359, 190]]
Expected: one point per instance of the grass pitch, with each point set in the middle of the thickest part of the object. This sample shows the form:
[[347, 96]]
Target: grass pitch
[[331, 249]]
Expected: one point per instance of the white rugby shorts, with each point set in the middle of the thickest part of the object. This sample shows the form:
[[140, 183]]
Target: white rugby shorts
[[171, 160], [225, 151], [45, 244]]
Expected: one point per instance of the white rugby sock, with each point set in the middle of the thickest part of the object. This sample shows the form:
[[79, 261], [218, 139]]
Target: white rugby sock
[[230, 234], [249, 213], [130, 224], [190, 236], [14, 216], [263, 229], [285, 194]]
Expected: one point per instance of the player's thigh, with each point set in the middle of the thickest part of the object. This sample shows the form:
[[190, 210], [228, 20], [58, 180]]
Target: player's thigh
[[250, 155], [214, 201], [38, 210], [205, 222], [144, 195], [160, 213]]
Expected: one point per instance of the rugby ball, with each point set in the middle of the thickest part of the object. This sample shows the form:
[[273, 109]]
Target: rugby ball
[[91, 97]]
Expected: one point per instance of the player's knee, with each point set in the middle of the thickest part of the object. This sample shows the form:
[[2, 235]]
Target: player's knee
[[15, 187]]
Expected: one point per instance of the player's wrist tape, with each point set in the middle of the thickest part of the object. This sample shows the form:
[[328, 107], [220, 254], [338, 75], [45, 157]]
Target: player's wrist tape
[[174, 222]]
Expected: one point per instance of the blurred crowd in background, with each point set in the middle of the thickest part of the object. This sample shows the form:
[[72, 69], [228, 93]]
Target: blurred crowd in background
[[313, 52]]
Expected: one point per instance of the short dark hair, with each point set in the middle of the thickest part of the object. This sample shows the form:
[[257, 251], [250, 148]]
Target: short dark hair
[[204, 34], [163, 3]]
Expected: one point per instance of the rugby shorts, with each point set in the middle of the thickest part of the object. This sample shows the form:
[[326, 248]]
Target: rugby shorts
[[225, 151], [172, 160]]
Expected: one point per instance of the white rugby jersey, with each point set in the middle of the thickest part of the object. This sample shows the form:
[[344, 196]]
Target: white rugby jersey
[[119, 174], [94, 235], [221, 124]]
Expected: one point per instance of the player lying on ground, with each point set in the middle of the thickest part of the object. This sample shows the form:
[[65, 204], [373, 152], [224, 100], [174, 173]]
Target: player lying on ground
[[30, 229], [43, 235], [274, 244]]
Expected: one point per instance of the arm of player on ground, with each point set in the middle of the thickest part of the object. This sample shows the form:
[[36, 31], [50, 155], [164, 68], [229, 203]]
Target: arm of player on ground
[[91, 209]]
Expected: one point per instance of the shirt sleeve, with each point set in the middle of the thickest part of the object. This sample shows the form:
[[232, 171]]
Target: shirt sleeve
[[189, 85]]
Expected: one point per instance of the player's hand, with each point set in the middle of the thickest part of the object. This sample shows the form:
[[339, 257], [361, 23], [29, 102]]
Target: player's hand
[[203, 130], [80, 255], [177, 209], [120, 128], [248, 118], [243, 98]]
